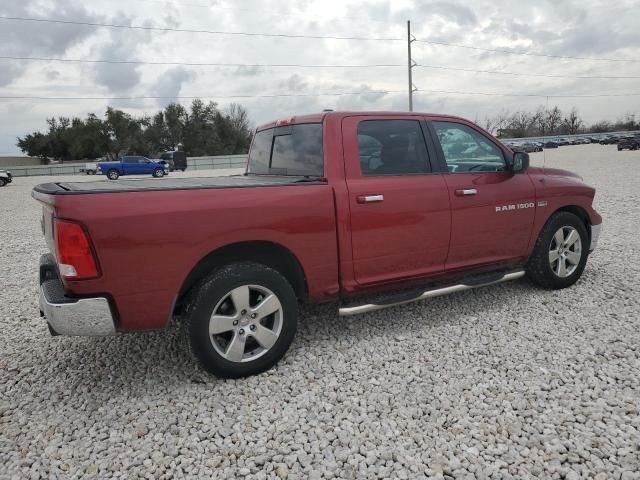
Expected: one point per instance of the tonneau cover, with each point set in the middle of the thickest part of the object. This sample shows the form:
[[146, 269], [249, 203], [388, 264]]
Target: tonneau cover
[[141, 185]]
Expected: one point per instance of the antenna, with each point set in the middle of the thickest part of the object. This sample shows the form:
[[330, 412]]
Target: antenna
[[544, 150]]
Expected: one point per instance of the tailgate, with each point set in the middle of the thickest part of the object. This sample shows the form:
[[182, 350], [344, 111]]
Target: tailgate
[[48, 212]]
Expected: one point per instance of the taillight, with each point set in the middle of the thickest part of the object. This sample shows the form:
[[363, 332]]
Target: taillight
[[74, 254]]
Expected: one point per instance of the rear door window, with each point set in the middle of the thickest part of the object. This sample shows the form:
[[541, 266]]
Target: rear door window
[[289, 150], [392, 147]]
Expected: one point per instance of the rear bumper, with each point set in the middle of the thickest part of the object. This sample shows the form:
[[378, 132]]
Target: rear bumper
[[595, 236], [71, 316]]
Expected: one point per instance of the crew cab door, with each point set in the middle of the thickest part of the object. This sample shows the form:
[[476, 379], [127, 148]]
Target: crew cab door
[[130, 165], [492, 209], [399, 208]]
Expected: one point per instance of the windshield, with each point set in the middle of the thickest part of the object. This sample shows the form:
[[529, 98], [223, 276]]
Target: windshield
[[289, 150]]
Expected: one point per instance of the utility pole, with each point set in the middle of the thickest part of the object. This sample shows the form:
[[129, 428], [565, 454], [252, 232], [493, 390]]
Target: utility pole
[[410, 65]]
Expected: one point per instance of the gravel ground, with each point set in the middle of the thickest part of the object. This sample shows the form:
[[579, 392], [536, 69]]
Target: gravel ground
[[502, 382]]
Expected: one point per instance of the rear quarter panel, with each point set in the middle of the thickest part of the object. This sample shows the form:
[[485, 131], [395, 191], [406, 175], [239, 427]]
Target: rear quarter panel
[[148, 242]]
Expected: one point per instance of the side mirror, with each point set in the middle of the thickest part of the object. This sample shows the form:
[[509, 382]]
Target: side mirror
[[520, 162]]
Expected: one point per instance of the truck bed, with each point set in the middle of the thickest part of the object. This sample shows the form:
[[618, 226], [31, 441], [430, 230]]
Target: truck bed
[[139, 185]]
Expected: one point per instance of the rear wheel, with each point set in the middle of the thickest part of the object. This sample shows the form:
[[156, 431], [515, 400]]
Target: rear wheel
[[3, 182], [158, 172], [242, 320], [113, 174], [560, 253]]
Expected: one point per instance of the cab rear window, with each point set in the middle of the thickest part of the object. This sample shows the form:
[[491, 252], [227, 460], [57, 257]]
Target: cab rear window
[[288, 150]]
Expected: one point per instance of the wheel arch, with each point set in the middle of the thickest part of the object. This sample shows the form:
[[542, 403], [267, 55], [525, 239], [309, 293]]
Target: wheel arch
[[267, 253], [579, 212]]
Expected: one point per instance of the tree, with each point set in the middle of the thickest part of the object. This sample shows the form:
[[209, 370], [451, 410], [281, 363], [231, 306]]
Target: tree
[[202, 130], [34, 144], [125, 134], [497, 123], [201, 136], [553, 120], [233, 129], [572, 123]]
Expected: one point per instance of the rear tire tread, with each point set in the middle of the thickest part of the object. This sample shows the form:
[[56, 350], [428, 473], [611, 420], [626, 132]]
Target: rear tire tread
[[205, 296]]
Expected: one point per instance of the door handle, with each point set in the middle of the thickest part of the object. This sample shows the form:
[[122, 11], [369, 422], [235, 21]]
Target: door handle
[[463, 192], [370, 198]]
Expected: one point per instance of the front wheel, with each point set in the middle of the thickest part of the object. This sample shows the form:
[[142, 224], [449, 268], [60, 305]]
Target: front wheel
[[158, 172], [560, 253], [242, 320], [113, 174], [3, 182]]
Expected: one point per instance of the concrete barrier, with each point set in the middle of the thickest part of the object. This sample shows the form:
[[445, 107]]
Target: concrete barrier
[[194, 163]]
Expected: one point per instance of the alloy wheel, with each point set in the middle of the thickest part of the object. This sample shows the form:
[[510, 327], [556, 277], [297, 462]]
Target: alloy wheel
[[565, 251], [246, 323]]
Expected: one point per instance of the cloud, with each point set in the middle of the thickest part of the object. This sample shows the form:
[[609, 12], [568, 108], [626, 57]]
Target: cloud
[[9, 72], [453, 12], [590, 28], [295, 83], [170, 83], [121, 45], [246, 71], [20, 38]]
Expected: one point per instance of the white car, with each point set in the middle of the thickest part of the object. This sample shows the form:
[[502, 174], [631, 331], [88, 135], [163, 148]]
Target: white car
[[90, 168], [5, 177]]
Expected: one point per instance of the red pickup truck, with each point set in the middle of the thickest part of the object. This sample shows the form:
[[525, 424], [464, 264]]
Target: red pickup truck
[[369, 209]]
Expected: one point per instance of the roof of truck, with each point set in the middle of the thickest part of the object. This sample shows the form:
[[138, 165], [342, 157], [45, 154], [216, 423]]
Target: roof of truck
[[319, 117]]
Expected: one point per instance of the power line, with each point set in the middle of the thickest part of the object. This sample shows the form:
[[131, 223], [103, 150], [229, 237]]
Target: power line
[[275, 95], [282, 95], [267, 12], [191, 64], [299, 65], [539, 95], [189, 30], [497, 72], [519, 52]]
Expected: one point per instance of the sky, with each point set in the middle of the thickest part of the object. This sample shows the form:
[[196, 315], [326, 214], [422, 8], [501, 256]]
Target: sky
[[587, 28]]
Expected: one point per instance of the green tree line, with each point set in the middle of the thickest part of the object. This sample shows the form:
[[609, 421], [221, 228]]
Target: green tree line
[[203, 129]]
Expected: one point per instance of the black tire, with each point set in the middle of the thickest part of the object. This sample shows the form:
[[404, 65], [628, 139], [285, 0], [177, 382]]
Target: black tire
[[539, 269], [158, 173], [3, 182], [216, 288], [113, 174]]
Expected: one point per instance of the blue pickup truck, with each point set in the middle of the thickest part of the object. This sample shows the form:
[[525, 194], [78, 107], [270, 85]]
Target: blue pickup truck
[[132, 165]]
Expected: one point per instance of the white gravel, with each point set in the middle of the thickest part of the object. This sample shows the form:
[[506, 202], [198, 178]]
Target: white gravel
[[502, 382]]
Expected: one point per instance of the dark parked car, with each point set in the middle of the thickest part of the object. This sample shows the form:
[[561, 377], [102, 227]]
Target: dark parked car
[[175, 160], [550, 144], [629, 143], [531, 147], [609, 140], [525, 147]]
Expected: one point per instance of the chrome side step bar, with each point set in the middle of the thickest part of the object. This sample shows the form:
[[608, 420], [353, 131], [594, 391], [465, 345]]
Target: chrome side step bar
[[438, 292]]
